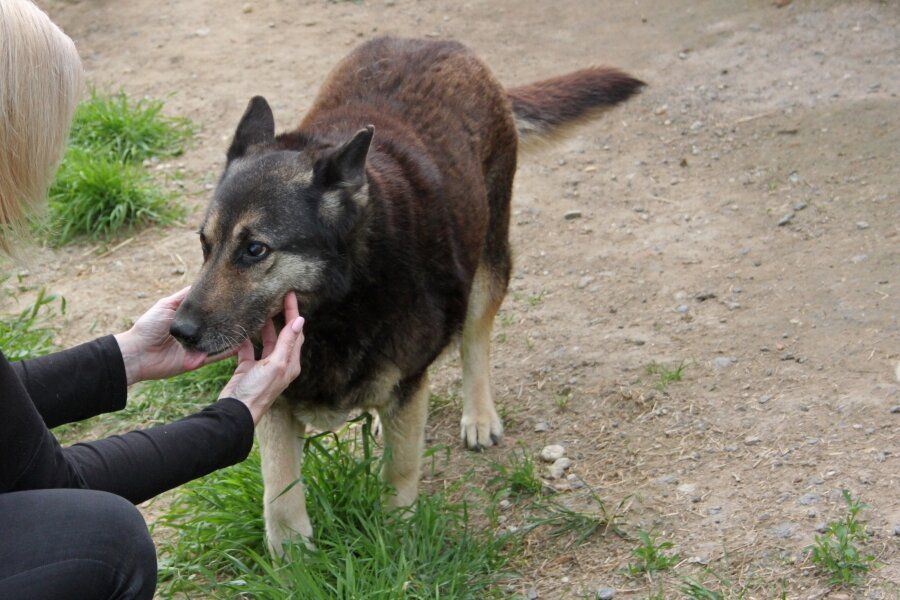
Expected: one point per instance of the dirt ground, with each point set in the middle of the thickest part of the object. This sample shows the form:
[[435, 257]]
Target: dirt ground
[[741, 217]]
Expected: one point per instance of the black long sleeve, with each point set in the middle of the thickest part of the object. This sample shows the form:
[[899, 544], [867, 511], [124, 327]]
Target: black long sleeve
[[76, 384], [136, 465]]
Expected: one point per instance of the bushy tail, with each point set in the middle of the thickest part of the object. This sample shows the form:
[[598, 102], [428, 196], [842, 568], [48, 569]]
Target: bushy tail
[[542, 108]]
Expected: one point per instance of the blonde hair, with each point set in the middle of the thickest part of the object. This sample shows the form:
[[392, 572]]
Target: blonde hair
[[40, 84]]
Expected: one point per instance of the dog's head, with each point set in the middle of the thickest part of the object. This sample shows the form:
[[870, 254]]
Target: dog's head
[[279, 220]]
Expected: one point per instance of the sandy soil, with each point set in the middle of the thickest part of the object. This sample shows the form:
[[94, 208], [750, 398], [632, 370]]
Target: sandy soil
[[754, 115]]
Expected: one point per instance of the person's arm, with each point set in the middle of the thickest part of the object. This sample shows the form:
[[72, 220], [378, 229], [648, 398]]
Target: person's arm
[[142, 464], [75, 384]]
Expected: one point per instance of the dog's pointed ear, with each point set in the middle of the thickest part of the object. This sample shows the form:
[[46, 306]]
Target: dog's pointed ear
[[257, 126], [346, 167]]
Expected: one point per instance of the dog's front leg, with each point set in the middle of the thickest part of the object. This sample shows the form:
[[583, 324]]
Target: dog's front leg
[[403, 427], [284, 499]]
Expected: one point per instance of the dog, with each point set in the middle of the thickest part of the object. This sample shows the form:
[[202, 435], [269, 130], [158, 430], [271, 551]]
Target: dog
[[387, 212]]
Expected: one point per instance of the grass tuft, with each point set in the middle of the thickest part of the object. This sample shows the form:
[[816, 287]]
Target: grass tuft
[[28, 333], [582, 525], [666, 374], [362, 550], [517, 478], [651, 555], [101, 187], [837, 551]]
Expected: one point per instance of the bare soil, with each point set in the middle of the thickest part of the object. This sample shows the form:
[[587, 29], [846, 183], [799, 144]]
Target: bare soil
[[753, 115]]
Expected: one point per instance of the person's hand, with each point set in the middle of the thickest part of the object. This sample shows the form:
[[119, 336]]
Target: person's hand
[[150, 352], [257, 383]]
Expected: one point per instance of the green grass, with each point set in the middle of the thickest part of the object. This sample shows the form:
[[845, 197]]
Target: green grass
[[517, 478], [666, 375], [101, 187], [362, 550], [651, 555], [579, 525], [28, 333], [837, 552], [94, 197]]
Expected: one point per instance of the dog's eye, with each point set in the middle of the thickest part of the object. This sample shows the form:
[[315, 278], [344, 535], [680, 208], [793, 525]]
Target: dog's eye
[[257, 250]]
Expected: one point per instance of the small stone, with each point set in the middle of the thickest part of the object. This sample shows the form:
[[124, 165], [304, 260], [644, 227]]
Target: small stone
[[687, 488], [504, 504], [247, 8], [794, 177], [202, 32], [859, 258], [784, 530], [787, 218], [606, 593], [541, 426], [764, 398], [808, 498], [723, 362], [667, 479], [682, 308], [752, 440], [575, 481], [559, 467], [862, 225], [585, 281], [552, 452], [178, 271], [800, 206], [571, 215], [532, 594], [895, 409], [821, 527], [897, 529]]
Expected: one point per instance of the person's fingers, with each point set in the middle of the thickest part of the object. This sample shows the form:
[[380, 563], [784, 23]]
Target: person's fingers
[[174, 301], [269, 338], [193, 360], [287, 339], [291, 307], [245, 352], [297, 326]]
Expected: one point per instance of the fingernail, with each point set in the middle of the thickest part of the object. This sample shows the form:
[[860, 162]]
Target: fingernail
[[297, 325]]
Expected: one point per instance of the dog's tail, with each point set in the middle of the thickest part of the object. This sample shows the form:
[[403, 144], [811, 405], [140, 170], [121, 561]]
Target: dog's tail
[[541, 109]]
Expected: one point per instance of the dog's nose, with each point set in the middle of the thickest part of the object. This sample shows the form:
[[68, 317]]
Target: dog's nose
[[185, 331]]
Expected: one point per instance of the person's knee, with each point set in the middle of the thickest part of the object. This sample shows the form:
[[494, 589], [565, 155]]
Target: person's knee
[[130, 548]]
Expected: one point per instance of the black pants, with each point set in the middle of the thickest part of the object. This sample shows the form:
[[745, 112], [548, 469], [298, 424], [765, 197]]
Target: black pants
[[73, 544]]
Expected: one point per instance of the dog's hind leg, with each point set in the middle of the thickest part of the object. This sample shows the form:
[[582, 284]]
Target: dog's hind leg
[[284, 498], [403, 428], [480, 426]]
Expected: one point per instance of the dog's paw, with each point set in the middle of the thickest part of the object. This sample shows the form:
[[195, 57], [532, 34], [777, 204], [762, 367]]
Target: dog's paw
[[279, 538], [481, 429], [376, 424]]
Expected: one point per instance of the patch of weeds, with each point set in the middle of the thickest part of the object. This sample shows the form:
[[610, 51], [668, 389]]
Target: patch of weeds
[[666, 375], [837, 551], [101, 186], [128, 131], [440, 403], [536, 299], [695, 590], [95, 196], [562, 399], [507, 319], [563, 520], [651, 555], [500, 338], [518, 477], [361, 549], [28, 333]]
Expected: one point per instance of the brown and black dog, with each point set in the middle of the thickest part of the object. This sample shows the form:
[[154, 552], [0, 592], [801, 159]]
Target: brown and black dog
[[387, 212]]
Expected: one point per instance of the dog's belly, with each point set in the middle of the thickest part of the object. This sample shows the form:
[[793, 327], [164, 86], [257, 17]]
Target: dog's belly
[[328, 412]]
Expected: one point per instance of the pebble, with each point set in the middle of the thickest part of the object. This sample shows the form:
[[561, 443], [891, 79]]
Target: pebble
[[247, 8], [862, 225], [532, 594], [800, 206], [571, 215], [681, 308], [895, 409], [897, 529], [786, 219], [559, 467], [723, 362], [585, 281], [541, 426], [552, 452], [784, 530], [606, 593], [687, 488], [752, 440], [808, 498], [504, 504], [575, 481], [764, 398], [202, 32]]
